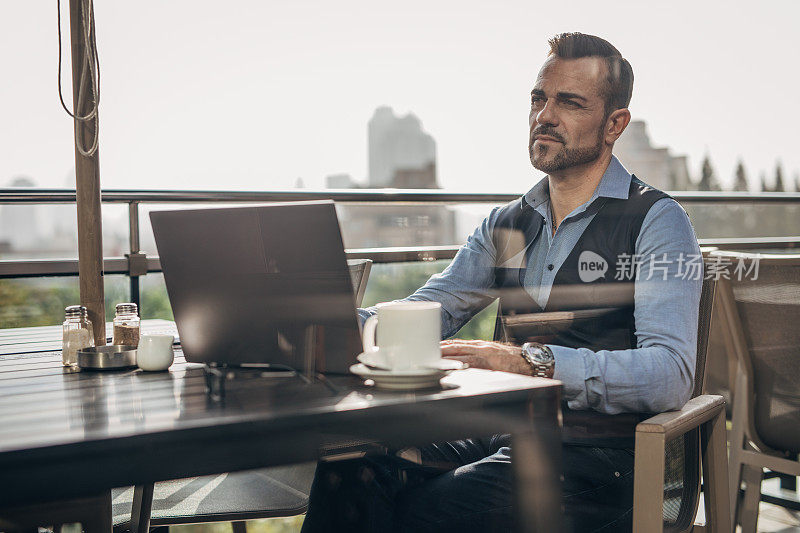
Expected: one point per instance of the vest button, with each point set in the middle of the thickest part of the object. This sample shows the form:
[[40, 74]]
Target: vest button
[[550, 266]]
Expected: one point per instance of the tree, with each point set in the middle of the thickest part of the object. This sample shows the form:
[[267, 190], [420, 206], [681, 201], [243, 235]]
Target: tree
[[797, 181], [708, 179], [740, 183], [779, 179], [764, 186]]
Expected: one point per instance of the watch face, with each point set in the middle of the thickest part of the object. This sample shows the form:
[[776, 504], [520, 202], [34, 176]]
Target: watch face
[[541, 357]]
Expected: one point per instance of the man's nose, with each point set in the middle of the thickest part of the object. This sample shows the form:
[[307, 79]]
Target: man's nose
[[547, 115]]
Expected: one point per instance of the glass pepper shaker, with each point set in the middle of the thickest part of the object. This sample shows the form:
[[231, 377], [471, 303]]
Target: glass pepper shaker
[[127, 325], [78, 334]]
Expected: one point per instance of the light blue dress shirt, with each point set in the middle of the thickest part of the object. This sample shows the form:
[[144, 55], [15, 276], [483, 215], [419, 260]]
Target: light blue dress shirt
[[655, 376]]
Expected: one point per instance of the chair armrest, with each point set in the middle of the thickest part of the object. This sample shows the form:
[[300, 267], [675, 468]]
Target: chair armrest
[[675, 423]]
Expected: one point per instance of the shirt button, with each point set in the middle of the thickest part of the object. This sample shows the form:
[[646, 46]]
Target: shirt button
[[550, 266]]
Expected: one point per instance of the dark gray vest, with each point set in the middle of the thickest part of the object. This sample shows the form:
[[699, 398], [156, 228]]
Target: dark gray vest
[[595, 282]]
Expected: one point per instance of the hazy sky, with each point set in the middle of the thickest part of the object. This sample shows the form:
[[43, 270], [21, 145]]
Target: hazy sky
[[254, 94]]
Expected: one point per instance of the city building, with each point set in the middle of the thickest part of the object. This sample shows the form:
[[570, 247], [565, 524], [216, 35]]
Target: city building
[[655, 166], [401, 156], [398, 145], [29, 231], [20, 224]]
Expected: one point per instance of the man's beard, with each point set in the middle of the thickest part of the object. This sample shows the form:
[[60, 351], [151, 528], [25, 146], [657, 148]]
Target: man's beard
[[566, 157]]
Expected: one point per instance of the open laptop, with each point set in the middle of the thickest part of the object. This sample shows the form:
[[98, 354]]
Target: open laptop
[[267, 284]]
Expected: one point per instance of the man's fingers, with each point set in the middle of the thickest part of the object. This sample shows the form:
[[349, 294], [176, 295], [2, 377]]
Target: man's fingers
[[461, 341], [457, 357], [458, 349], [463, 358], [473, 361]]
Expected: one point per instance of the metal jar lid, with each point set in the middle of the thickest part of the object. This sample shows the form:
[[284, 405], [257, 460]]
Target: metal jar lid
[[127, 308], [75, 311]]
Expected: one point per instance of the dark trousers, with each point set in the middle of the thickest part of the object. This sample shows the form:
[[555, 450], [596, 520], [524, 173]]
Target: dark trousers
[[464, 486]]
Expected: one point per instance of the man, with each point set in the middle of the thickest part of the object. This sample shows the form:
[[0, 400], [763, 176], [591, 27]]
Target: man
[[587, 236]]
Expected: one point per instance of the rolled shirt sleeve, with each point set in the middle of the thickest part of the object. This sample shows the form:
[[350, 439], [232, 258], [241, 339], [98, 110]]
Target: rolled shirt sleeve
[[658, 374]]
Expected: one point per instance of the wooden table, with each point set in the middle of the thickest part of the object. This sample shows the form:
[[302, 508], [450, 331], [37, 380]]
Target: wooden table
[[66, 434]]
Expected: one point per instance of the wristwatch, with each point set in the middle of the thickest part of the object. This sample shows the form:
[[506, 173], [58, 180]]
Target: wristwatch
[[540, 358]]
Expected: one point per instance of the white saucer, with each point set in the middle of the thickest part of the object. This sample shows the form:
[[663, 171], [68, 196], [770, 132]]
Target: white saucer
[[439, 365], [408, 379]]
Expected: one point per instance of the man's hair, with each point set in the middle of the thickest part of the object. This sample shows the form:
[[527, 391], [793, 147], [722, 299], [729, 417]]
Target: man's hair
[[620, 74]]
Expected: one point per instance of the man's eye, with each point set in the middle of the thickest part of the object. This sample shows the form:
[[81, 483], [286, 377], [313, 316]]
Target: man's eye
[[536, 100], [571, 103]]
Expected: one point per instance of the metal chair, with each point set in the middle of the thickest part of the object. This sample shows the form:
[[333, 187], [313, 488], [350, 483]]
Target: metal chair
[[761, 318], [669, 446], [233, 497]]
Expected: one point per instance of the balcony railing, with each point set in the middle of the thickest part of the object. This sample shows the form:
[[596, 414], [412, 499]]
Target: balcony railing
[[136, 263]]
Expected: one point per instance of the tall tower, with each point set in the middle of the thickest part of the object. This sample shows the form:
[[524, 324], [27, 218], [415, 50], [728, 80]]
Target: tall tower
[[401, 154]]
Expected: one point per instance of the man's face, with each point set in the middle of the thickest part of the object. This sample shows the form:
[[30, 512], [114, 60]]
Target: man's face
[[567, 113]]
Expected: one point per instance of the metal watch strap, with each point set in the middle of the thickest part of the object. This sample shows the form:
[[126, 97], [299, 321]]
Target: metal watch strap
[[538, 369]]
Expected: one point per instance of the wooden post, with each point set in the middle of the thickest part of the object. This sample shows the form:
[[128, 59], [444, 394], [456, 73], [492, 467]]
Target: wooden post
[[87, 186]]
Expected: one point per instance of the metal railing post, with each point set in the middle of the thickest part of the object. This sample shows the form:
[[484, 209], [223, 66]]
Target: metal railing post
[[135, 257]]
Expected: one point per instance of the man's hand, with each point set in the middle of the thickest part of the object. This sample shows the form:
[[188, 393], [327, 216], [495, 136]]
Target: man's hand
[[485, 354]]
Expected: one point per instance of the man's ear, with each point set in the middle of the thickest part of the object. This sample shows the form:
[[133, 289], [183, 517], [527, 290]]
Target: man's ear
[[615, 124]]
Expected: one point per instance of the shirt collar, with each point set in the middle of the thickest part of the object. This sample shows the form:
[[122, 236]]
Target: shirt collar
[[615, 183]]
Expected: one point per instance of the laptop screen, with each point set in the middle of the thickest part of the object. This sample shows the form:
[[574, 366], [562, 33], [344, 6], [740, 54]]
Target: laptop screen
[[267, 284]]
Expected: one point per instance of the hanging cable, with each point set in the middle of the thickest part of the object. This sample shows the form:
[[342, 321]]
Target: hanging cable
[[90, 73]]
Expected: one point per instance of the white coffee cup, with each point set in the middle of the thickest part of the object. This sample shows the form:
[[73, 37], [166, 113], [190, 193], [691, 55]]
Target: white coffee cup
[[408, 334], [155, 352]]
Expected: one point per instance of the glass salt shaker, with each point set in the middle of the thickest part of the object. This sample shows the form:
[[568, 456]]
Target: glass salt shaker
[[78, 334], [127, 325]]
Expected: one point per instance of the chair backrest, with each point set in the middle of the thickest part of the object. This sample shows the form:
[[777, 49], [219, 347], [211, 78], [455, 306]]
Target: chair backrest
[[703, 328], [762, 327], [359, 273], [682, 455]]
